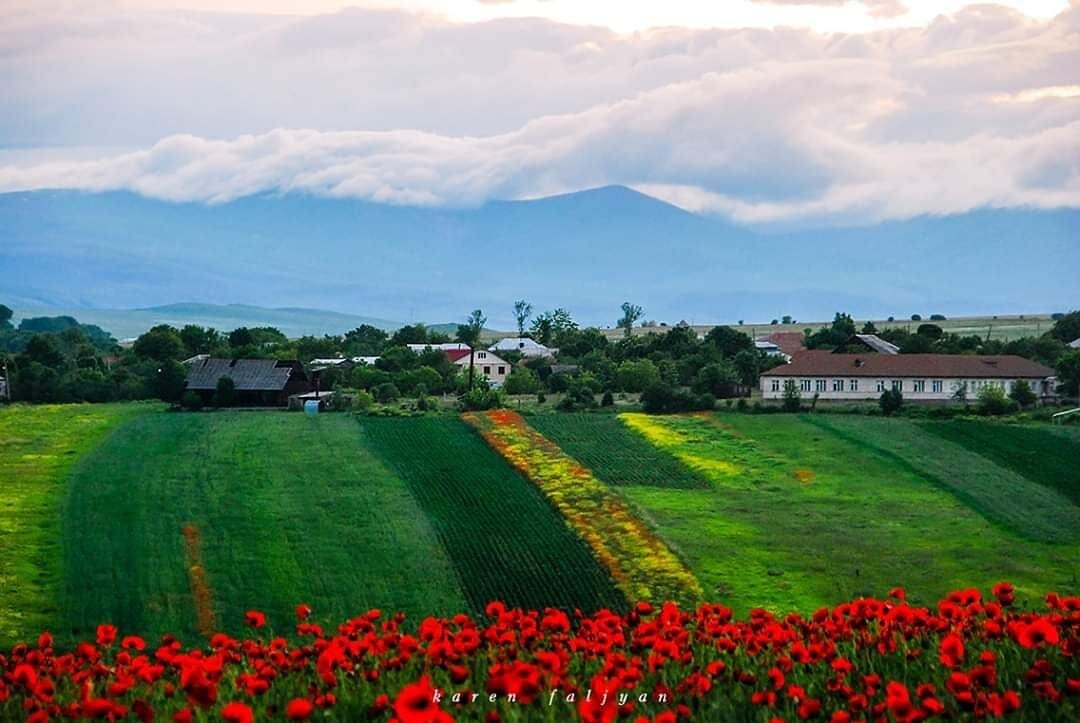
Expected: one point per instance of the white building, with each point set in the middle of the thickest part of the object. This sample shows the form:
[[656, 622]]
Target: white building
[[485, 363], [768, 348], [446, 346], [528, 348], [1074, 344], [919, 377]]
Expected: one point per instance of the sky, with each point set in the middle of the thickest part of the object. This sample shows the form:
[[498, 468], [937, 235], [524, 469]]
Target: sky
[[761, 111]]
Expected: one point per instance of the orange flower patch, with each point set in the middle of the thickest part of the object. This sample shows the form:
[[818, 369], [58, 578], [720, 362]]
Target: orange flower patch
[[200, 589], [641, 564]]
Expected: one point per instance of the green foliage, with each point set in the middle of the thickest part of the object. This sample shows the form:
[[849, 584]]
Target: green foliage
[[5, 315], [1066, 327], [481, 397], [608, 400], [728, 342], [833, 336], [368, 377], [363, 400], [162, 343], [891, 401], [364, 340], [225, 393], [932, 331], [580, 395], [1068, 374], [191, 401], [715, 378], [198, 340], [636, 376], [616, 454], [387, 392], [505, 540], [631, 313], [522, 380], [1022, 394], [168, 380], [663, 398], [993, 400], [792, 397], [522, 312]]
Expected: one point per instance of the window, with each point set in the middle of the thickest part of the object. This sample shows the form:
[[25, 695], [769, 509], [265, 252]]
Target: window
[[481, 355], [487, 370], [919, 385], [502, 370], [838, 385], [937, 386], [804, 385], [819, 385], [775, 385], [881, 385], [853, 385], [898, 385]]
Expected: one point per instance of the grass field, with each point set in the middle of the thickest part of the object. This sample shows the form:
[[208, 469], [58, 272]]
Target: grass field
[[613, 452], [506, 541], [238, 511], [1034, 452], [38, 447], [992, 490], [799, 517]]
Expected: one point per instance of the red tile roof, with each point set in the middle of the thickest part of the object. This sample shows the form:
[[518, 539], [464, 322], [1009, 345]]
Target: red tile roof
[[790, 342], [824, 363], [455, 354]]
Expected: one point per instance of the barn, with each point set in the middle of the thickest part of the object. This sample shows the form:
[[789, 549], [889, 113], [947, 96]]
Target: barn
[[259, 382]]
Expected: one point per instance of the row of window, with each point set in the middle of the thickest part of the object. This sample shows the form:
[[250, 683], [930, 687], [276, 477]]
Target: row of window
[[487, 370], [917, 386]]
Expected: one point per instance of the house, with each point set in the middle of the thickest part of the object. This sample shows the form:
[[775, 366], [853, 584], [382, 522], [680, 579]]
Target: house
[[1074, 344], [790, 342], [528, 348], [868, 342], [259, 382], [770, 348], [342, 363], [485, 363], [919, 377]]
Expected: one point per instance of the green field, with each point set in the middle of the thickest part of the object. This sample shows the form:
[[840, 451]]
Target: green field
[[38, 447], [800, 516], [614, 453], [506, 541], [289, 510], [175, 522], [1034, 452]]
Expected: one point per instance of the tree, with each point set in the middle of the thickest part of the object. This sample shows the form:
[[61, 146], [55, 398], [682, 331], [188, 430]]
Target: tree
[[715, 378], [5, 316], [411, 334], [43, 349], [891, 400], [1022, 394], [387, 393], [167, 381], [931, 331], [225, 392], [792, 397], [522, 311], [727, 341], [198, 340], [1068, 373], [1067, 328], [365, 340], [631, 313], [916, 317], [242, 336], [522, 380], [869, 328], [469, 333], [636, 376], [162, 343]]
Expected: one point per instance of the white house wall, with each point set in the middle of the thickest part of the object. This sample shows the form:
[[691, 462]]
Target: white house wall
[[772, 387]]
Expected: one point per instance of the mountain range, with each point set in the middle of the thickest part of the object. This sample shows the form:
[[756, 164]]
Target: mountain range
[[587, 251]]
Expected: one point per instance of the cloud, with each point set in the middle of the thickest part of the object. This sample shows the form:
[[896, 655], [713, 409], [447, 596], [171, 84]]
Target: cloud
[[976, 109], [877, 8]]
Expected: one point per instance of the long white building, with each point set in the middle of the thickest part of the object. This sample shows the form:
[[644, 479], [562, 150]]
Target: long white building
[[929, 377]]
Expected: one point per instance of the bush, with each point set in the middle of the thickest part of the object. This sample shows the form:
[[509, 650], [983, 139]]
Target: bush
[[1022, 394], [578, 396], [608, 399], [891, 400], [225, 394], [663, 398], [636, 376], [522, 380], [992, 400], [386, 393], [191, 401], [363, 400], [481, 398], [937, 317], [541, 398]]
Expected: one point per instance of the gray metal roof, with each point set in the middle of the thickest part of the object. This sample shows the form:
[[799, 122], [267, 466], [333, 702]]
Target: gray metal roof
[[251, 375]]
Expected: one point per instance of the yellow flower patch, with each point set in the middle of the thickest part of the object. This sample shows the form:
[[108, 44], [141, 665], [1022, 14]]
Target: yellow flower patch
[[642, 565]]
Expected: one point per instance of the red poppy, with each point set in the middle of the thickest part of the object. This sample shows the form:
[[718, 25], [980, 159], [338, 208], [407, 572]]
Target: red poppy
[[255, 619], [237, 713], [1004, 592], [416, 704], [303, 612], [299, 709], [106, 635], [951, 651], [1037, 633]]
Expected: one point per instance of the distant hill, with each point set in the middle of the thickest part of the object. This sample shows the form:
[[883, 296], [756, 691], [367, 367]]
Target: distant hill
[[126, 323], [587, 251]]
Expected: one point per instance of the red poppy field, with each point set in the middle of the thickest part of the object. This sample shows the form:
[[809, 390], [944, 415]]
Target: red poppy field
[[971, 657]]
